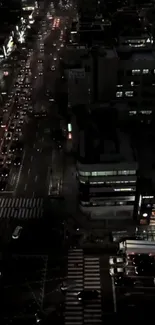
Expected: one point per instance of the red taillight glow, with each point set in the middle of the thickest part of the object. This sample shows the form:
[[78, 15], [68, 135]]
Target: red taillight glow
[[69, 136]]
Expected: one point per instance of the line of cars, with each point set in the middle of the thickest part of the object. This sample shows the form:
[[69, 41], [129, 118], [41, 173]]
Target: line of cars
[[12, 143]]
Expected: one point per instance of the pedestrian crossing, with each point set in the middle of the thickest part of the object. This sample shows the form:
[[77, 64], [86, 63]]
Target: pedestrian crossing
[[21, 208], [93, 311], [84, 272], [73, 311]]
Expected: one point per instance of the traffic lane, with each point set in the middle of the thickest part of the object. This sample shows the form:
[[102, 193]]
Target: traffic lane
[[35, 166], [33, 174]]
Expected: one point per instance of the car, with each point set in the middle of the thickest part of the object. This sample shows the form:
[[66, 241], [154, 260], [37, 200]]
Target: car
[[11, 127], [19, 146], [53, 68], [114, 271], [55, 58], [116, 260], [8, 161], [4, 150], [12, 147], [5, 109], [40, 73], [1, 162], [65, 285], [2, 186], [15, 137], [4, 172], [8, 135], [18, 129], [87, 295], [17, 232], [21, 121], [17, 161]]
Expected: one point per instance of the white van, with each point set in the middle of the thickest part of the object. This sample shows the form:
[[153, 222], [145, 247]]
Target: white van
[[17, 232]]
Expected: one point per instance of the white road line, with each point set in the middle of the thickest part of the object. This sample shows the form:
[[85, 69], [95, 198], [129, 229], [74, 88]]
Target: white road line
[[18, 177], [29, 171], [36, 178], [114, 295], [34, 145], [31, 158], [25, 187]]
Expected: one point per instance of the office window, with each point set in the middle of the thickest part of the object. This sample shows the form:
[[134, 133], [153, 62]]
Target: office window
[[136, 72], [146, 112], [126, 172], [145, 71], [119, 86], [81, 173], [119, 94], [132, 113], [129, 93]]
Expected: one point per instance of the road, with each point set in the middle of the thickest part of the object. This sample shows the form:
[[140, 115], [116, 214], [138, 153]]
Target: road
[[40, 152]]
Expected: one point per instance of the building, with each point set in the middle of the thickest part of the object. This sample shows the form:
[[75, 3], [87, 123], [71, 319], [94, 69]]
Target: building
[[91, 74], [106, 169]]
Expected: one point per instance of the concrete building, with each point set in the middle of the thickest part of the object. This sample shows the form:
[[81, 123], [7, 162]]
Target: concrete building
[[136, 81], [106, 169], [92, 74]]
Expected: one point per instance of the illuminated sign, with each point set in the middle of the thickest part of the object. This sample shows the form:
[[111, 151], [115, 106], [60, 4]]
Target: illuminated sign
[[69, 127], [10, 45]]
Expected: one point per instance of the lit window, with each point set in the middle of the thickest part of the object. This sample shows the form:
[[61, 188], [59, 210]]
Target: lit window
[[124, 189], [145, 71], [146, 112], [132, 112], [136, 71], [119, 86], [126, 172], [129, 93], [132, 83], [119, 94]]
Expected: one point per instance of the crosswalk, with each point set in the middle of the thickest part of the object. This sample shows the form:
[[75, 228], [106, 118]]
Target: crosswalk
[[21, 208], [93, 311], [84, 272]]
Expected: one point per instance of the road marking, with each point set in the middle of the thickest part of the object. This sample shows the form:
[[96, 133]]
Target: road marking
[[114, 294], [25, 187], [29, 171], [18, 177], [42, 140], [31, 158], [36, 178], [43, 283], [34, 145]]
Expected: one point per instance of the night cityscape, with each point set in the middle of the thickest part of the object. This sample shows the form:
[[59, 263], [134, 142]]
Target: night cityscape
[[77, 161]]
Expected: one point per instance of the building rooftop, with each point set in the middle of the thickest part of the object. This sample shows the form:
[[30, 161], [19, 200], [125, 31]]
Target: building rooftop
[[99, 143]]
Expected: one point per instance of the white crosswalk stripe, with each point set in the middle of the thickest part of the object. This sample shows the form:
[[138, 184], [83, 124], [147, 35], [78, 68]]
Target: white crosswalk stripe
[[84, 272], [21, 208], [74, 311], [92, 312]]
